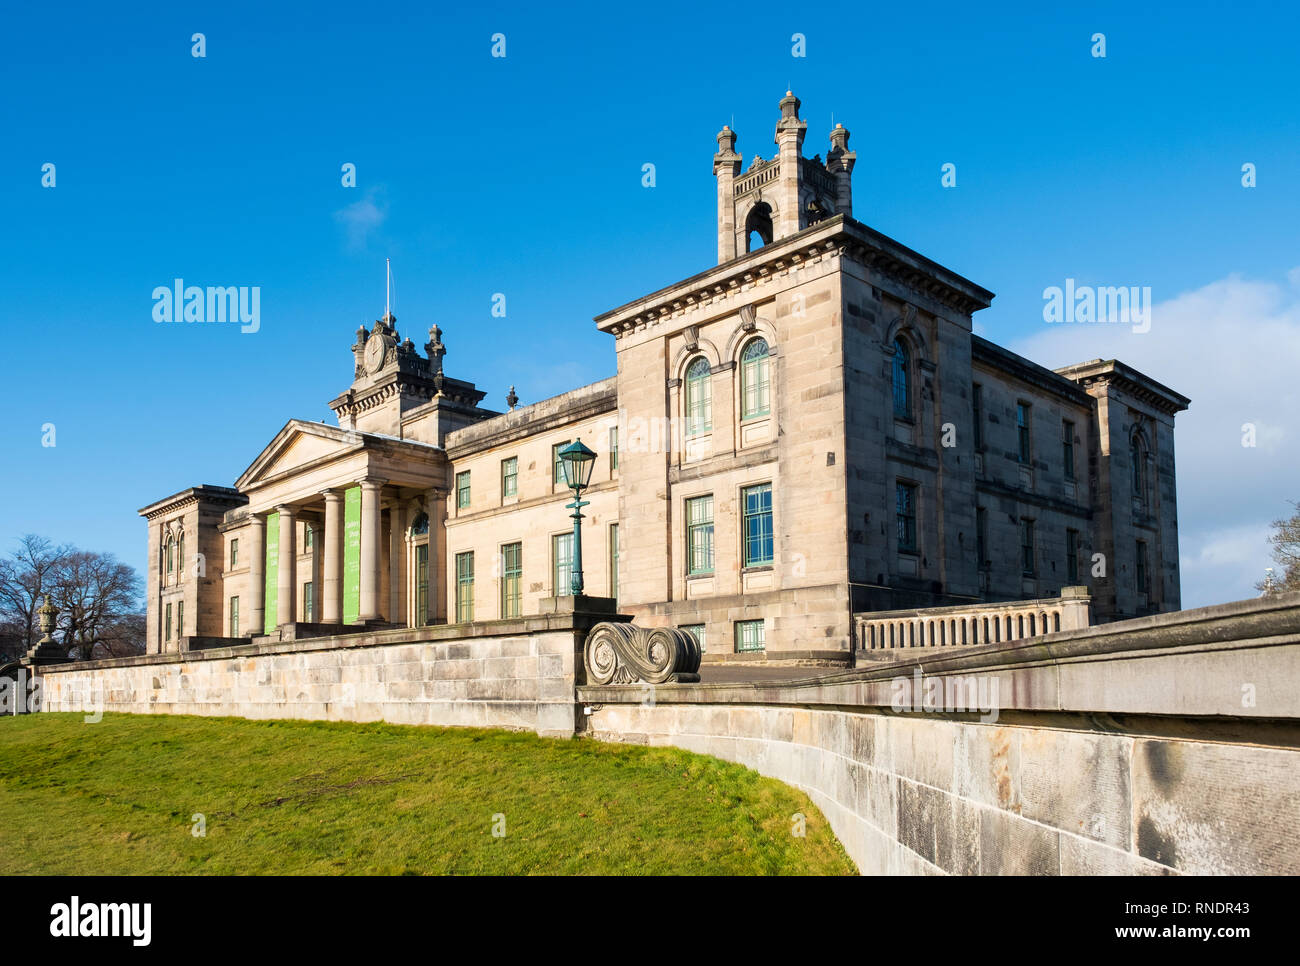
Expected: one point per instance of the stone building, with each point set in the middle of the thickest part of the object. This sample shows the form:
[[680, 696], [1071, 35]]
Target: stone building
[[805, 431]]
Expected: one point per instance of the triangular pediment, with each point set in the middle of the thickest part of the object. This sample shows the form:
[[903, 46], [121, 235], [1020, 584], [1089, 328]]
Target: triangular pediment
[[299, 444]]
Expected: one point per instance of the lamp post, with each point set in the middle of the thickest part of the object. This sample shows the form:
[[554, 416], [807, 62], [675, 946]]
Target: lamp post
[[577, 462]]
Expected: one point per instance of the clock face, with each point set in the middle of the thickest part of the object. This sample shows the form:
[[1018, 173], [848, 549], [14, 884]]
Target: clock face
[[375, 353]]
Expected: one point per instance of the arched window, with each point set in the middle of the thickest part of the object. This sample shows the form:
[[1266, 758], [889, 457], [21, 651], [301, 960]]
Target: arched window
[[902, 382], [755, 381], [171, 558], [180, 554], [699, 397], [758, 226], [1138, 458], [421, 525]]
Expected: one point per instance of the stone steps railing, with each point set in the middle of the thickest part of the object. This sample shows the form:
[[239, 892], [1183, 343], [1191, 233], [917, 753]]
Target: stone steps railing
[[975, 624]]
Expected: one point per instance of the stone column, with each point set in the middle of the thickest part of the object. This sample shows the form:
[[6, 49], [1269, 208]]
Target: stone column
[[332, 550], [396, 564], [287, 582], [371, 549], [434, 506], [256, 612], [317, 550]]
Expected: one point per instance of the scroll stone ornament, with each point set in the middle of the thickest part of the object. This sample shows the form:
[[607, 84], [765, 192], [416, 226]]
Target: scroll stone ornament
[[618, 653]]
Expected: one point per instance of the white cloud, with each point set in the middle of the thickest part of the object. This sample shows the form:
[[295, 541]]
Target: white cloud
[[363, 217], [1233, 346]]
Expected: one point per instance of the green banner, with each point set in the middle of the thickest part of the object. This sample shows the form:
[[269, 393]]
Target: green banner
[[272, 605], [352, 555]]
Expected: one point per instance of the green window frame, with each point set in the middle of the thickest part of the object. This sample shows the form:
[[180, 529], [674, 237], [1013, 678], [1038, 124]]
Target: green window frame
[[699, 631], [308, 600], [234, 616], [557, 464], [465, 587], [756, 525], [167, 624], [755, 380], [561, 564], [751, 636], [308, 537], [171, 553], [180, 619], [512, 579], [613, 448], [613, 560], [234, 553], [1022, 432], [462, 490], [422, 584], [699, 397], [699, 534], [510, 477]]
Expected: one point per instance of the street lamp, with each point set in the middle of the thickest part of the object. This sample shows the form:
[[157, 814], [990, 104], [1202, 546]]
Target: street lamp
[[576, 462]]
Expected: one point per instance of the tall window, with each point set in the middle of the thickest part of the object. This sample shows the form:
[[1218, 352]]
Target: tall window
[[613, 560], [510, 477], [234, 553], [422, 584], [1067, 448], [561, 563], [308, 600], [557, 464], [750, 635], [981, 538], [234, 616], [902, 382], [699, 631], [699, 535], [464, 587], [171, 553], [756, 523], [1142, 578], [905, 515], [1027, 547], [512, 579], [308, 537], [699, 397], [462, 490], [977, 414], [180, 556], [1022, 430], [1139, 469], [613, 448], [1072, 556], [180, 619], [755, 381], [167, 624]]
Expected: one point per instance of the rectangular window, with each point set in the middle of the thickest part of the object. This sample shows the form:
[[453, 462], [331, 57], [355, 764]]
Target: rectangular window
[[977, 414], [512, 580], [234, 616], [510, 477], [613, 448], [1072, 556], [462, 490], [613, 560], [234, 553], [750, 636], [180, 620], [1067, 448], [464, 587], [905, 515], [561, 564], [699, 535], [308, 599], [1022, 430], [557, 464], [981, 538], [757, 524], [167, 626], [308, 537], [422, 585], [1027, 547], [698, 631], [1142, 585]]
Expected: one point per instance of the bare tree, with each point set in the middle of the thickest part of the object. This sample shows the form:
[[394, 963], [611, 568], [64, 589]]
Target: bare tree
[[1285, 542], [26, 576], [94, 592]]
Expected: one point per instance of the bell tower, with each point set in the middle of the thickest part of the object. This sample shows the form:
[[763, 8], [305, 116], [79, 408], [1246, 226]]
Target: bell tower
[[777, 198]]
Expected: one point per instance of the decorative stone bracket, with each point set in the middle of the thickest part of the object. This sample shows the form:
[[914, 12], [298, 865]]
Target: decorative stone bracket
[[627, 654]]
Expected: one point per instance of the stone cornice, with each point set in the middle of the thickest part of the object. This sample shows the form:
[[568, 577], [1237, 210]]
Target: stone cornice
[[835, 237], [206, 493], [1004, 360], [1098, 375], [532, 420]]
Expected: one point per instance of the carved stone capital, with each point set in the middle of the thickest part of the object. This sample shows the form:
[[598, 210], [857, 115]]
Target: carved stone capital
[[617, 653]]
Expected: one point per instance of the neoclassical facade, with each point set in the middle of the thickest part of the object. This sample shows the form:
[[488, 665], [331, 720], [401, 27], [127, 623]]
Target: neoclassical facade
[[805, 431]]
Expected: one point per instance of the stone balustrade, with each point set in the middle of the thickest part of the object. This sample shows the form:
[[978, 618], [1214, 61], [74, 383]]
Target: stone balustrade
[[878, 631]]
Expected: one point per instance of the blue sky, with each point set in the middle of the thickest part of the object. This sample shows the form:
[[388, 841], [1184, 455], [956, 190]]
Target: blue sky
[[522, 175]]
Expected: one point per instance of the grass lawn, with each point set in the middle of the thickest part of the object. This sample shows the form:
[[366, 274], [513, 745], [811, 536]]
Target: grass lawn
[[311, 798]]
